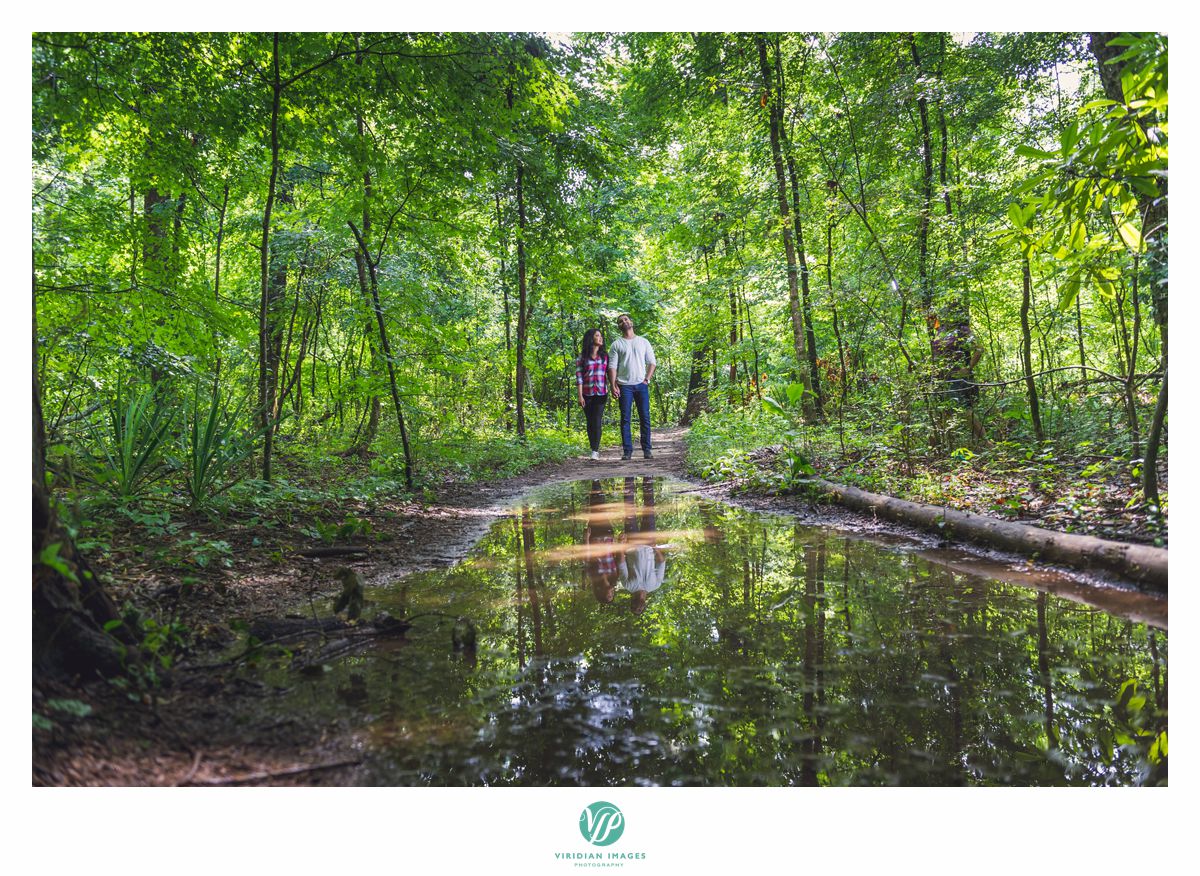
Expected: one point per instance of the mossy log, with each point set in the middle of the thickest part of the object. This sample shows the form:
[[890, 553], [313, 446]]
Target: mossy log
[[1144, 565]]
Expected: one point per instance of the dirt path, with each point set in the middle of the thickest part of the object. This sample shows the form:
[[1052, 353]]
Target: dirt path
[[463, 513]]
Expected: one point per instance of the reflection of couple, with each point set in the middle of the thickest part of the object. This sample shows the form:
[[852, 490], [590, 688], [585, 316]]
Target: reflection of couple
[[641, 566]]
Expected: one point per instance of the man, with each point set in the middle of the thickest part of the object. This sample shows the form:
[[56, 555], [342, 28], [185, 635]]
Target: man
[[631, 365], [643, 565]]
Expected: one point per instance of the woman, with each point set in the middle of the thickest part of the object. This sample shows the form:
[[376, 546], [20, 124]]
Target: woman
[[591, 381], [600, 555]]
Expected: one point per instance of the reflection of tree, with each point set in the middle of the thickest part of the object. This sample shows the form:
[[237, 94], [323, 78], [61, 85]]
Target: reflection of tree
[[1043, 646], [535, 604], [1160, 688], [779, 655], [814, 654], [518, 557]]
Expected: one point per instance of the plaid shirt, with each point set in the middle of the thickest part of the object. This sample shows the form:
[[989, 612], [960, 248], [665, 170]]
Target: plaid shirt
[[606, 563], [590, 374]]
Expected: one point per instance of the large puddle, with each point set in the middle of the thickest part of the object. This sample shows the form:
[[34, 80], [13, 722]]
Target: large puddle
[[629, 633]]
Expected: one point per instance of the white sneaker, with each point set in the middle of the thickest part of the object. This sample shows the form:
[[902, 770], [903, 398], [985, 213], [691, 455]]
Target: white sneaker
[[596, 454]]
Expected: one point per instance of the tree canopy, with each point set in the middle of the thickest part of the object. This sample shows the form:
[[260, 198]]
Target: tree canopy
[[254, 250]]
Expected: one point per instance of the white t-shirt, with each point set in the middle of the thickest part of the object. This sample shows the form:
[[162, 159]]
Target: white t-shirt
[[631, 357], [639, 568]]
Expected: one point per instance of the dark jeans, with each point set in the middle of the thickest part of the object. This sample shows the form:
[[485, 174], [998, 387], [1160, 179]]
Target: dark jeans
[[593, 412], [640, 392], [639, 519]]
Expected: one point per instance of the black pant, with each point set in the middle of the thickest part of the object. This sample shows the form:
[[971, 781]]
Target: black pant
[[593, 411]]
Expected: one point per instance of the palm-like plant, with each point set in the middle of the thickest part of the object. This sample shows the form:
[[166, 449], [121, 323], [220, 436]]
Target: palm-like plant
[[214, 447], [132, 446]]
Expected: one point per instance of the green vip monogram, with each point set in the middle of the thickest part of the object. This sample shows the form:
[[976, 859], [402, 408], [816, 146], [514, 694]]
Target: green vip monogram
[[601, 824]]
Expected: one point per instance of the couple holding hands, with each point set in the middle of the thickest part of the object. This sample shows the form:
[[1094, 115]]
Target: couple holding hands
[[626, 368]]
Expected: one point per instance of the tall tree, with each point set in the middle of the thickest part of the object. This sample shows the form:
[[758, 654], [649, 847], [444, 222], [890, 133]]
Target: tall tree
[[772, 101]]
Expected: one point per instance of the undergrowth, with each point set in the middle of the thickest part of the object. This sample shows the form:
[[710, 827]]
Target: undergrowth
[[1086, 485]]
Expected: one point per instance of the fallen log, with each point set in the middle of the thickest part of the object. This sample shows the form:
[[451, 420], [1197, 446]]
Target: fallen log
[[1144, 565]]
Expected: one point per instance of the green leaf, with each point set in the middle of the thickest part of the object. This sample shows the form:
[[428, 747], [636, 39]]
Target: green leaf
[[1031, 152], [1158, 750], [1078, 237], [1070, 136], [49, 557], [1129, 234], [41, 722]]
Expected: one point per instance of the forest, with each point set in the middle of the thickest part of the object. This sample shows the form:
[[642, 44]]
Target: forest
[[295, 291]]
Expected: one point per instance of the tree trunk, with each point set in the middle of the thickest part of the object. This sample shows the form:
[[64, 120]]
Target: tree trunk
[[697, 392], [522, 303], [364, 258], [1131, 374], [1026, 349], [374, 415], [837, 329], [508, 374], [773, 98], [734, 324], [373, 277], [1150, 463], [70, 605], [926, 184], [758, 375], [220, 240], [266, 388], [810, 336], [154, 245], [1079, 327]]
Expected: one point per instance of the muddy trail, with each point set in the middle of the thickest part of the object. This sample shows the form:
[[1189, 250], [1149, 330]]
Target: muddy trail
[[209, 721]]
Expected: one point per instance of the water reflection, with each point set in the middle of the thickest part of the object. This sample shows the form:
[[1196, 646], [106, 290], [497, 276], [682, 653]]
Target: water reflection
[[600, 567], [642, 565], [628, 634]]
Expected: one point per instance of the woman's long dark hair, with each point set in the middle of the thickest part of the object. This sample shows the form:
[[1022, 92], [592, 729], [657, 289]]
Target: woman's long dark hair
[[585, 352]]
